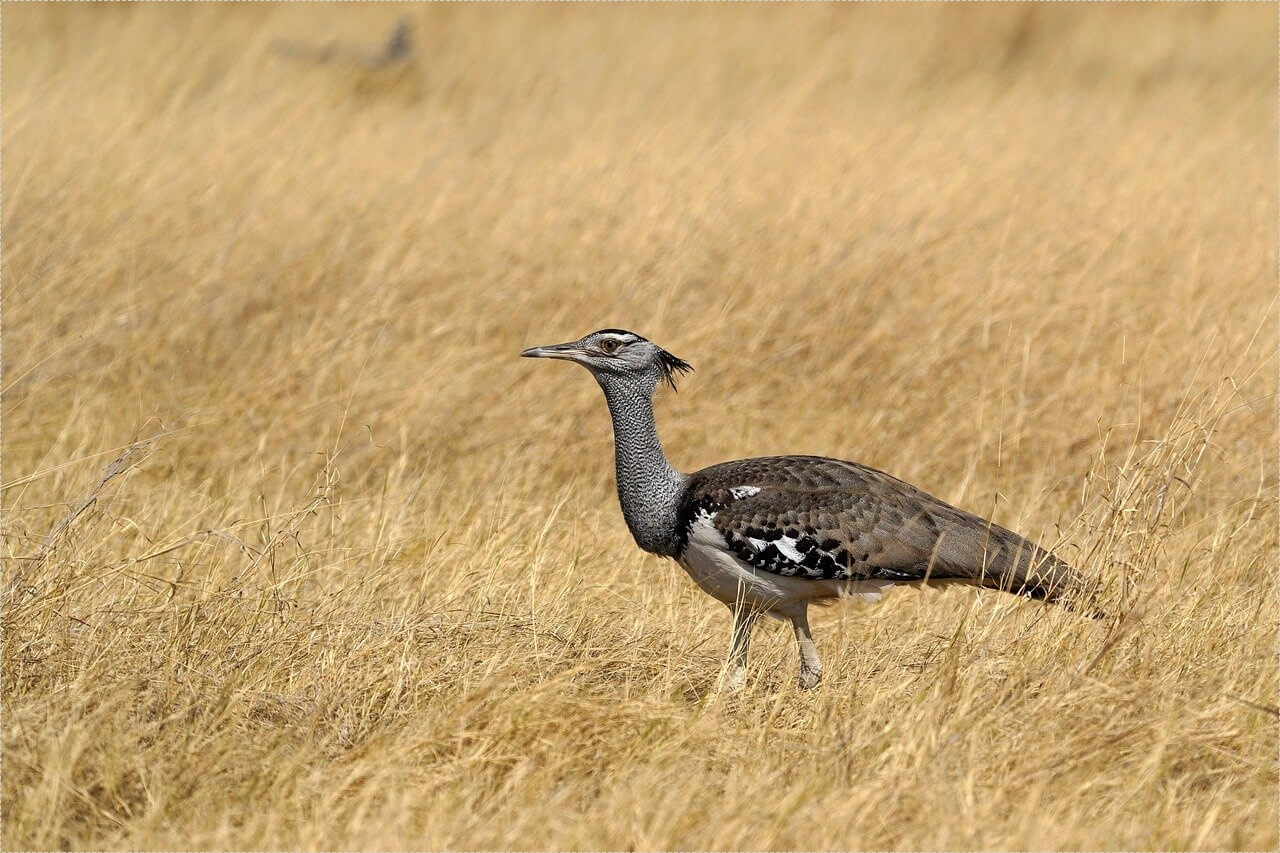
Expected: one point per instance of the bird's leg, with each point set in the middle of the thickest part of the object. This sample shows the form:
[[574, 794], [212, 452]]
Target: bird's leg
[[744, 617], [810, 664]]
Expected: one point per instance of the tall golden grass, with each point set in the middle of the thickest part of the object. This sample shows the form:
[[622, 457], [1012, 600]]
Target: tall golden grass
[[299, 554]]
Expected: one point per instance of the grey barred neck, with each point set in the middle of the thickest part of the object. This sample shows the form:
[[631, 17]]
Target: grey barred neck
[[649, 489]]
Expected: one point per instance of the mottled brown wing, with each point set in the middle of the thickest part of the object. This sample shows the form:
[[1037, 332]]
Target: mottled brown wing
[[819, 518]]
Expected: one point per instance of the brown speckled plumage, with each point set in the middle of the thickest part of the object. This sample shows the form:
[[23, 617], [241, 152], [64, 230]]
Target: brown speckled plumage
[[852, 523]]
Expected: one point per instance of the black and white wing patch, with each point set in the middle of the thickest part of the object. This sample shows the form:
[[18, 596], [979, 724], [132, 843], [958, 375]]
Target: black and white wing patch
[[824, 519]]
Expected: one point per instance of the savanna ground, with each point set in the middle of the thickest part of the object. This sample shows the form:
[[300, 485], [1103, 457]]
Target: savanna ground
[[299, 554]]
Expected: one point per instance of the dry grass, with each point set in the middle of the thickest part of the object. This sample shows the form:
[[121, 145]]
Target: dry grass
[[299, 554]]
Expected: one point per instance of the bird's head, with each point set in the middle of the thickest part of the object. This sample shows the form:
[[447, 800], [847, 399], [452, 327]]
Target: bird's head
[[616, 357]]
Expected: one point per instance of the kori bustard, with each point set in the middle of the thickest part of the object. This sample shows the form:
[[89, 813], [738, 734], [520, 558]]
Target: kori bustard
[[770, 535]]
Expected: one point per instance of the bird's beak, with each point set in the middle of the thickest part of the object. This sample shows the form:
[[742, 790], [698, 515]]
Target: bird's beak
[[570, 351]]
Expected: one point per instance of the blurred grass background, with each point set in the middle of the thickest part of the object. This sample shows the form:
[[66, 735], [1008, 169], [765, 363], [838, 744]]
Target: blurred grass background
[[299, 555]]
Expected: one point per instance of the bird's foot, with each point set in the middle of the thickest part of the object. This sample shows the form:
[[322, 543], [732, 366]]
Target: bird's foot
[[809, 678], [735, 679]]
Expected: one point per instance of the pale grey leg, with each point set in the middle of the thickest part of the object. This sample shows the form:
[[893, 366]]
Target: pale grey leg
[[744, 617], [810, 665]]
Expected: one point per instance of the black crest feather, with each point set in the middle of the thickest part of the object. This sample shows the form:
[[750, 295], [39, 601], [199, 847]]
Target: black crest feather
[[672, 366]]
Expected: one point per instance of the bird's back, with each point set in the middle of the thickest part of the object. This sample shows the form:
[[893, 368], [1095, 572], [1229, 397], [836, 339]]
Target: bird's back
[[828, 519]]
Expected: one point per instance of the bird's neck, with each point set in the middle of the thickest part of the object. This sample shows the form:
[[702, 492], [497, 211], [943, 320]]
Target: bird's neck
[[649, 489]]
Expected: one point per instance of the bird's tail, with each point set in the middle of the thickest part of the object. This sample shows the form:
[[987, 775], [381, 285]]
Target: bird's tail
[[1024, 568]]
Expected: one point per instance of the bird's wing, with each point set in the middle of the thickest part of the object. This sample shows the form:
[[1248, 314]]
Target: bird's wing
[[819, 518]]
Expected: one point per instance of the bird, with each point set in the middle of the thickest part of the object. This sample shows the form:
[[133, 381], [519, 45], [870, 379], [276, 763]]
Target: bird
[[772, 535], [396, 49]]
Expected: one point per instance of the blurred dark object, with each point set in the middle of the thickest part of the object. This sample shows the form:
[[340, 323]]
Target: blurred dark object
[[395, 50]]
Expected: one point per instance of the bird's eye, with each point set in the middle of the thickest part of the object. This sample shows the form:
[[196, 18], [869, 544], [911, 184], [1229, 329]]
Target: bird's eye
[[609, 345]]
